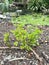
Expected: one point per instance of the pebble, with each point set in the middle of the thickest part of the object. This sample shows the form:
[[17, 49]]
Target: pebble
[[2, 62]]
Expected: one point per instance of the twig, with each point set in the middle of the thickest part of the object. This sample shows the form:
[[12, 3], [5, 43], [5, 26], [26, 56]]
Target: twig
[[17, 59], [37, 56], [2, 48]]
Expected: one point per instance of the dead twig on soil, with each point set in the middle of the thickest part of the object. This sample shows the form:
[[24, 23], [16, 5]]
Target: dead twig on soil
[[2, 48], [39, 58], [17, 59]]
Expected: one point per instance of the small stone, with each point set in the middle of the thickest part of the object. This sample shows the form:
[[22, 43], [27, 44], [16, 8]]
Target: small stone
[[28, 55], [2, 16], [46, 41], [24, 63], [30, 62], [1, 20], [18, 11], [2, 62]]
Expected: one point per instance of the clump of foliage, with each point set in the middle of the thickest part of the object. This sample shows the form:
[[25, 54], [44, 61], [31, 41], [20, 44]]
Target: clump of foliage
[[38, 5], [46, 2], [1, 7], [23, 38], [4, 6], [6, 39], [35, 5], [6, 3]]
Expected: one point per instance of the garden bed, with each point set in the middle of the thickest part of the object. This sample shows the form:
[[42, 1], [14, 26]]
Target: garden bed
[[44, 46]]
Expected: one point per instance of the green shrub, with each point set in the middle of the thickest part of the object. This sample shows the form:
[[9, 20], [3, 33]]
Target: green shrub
[[10, 1], [23, 38], [35, 5], [46, 2], [38, 5], [6, 2], [4, 6]]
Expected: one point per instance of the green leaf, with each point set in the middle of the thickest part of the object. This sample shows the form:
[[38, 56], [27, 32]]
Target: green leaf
[[16, 43], [6, 37]]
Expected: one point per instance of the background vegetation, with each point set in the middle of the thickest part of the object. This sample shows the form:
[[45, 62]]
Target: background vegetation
[[38, 5]]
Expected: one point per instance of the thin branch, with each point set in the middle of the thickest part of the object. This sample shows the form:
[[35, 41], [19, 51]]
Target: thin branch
[[2, 48], [37, 56]]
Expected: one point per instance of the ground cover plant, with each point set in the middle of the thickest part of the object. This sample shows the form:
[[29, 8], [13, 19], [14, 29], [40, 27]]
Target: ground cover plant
[[24, 38], [34, 18]]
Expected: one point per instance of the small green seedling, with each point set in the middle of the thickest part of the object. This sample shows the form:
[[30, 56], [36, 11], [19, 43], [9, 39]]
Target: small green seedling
[[6, 39], [24, 39]]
